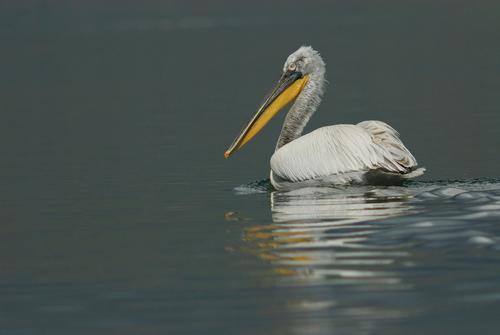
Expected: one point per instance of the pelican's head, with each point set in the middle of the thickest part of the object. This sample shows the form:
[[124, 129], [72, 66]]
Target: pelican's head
[[307, 61], [301, 66]]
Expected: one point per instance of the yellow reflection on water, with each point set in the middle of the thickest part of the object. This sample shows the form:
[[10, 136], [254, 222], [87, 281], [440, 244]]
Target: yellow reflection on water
[[323, 236]]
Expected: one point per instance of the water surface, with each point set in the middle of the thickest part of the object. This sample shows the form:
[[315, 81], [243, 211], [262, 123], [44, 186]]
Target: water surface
[[119, 214], [363, 259]]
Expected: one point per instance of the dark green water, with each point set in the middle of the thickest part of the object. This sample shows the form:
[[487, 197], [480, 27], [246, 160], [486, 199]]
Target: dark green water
[[119, 214]]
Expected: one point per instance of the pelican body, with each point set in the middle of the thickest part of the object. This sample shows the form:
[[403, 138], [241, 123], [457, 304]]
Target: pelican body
[[369, 152]]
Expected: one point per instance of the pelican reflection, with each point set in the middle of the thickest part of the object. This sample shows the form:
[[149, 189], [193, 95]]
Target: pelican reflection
[[326, 235]]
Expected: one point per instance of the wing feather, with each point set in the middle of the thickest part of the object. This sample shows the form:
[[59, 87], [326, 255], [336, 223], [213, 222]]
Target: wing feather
[[340, 149]]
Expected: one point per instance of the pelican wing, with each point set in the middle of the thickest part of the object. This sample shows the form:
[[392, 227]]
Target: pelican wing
[[343, 149]]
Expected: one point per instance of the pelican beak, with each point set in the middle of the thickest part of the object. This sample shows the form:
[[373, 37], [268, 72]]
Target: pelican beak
[[287, 89]]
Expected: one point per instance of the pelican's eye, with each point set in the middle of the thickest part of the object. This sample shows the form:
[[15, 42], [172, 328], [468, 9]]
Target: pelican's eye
[[292, 67]]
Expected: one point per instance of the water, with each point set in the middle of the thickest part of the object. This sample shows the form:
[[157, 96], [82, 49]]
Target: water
[[366, 259], [120, 215]]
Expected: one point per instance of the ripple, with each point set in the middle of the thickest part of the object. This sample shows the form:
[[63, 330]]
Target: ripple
[[423, 237], [260, 186]]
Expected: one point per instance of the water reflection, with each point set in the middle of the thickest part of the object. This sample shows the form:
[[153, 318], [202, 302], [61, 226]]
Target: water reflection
[[321, 249], [321, 236], [351, 260]]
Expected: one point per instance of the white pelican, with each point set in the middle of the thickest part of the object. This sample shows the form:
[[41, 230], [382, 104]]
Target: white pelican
[[369, 152]]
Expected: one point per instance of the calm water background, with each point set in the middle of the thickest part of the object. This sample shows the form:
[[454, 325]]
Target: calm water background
[[119, 214]]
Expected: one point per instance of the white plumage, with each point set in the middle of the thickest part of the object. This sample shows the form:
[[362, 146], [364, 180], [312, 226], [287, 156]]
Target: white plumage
[[342, 154]]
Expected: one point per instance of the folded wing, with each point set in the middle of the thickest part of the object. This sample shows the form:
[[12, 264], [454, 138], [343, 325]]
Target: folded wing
[[341, 149]]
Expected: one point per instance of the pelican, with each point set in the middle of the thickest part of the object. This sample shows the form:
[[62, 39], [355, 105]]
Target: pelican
[[369, 152]]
